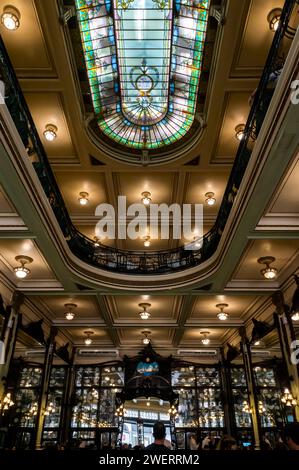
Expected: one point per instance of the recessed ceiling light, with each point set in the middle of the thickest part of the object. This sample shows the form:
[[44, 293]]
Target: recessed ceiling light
[[10, 18], [269, 273], [274, 19], [20, 271], [69, 314], [50, 132], [83, 198], [144, 315], [257, 343], [240, 131], [146, 198], [88, 341], [222, 315], [210, 199], [205, 339]]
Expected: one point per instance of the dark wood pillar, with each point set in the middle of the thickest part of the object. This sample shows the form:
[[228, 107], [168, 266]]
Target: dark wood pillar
[[9, 337], [252, 393], [286, 336], [49, 355]]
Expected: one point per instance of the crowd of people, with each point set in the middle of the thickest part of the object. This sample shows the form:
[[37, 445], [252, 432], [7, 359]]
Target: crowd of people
[[288, 440]]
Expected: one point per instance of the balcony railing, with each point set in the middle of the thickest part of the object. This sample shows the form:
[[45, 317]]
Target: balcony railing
[[138, 262]]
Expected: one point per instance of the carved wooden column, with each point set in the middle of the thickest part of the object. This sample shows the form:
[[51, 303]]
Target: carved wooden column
[[286, 335], [49, 355], [253, 399], [228, 408], [9, 337], [66, 416]]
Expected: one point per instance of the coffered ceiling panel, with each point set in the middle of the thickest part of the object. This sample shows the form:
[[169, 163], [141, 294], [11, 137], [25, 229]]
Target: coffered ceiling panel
[[47, 108], [160, 185], [99, 337], [159, 336], [26, 46], [86, 306], [5, 205], [284, 251], [89, 231], [286, 200], [205, 306], [207, 181], [162, 307], [9, 249], [236, 112], [255, 38], [194, 336], [72, 183]]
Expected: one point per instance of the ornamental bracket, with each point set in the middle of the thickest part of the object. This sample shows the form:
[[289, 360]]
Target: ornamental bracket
[[217, 12], [67, 14]]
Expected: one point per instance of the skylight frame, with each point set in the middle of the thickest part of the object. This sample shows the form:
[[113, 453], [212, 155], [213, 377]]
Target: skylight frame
[[97, 27]]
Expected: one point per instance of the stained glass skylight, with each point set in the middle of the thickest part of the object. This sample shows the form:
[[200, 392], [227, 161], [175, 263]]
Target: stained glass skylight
[[144, 59]]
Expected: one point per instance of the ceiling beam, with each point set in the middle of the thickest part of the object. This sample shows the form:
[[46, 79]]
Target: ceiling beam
[[187, 306], [108, 319]]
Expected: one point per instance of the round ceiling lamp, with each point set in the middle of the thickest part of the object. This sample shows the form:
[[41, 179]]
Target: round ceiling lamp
[[205, 340], [22, 272], [146, 198], [83, 198], [69, 314], [50, 132], [240, 131], [274, 19], [10, 18], [210, 199], [268, 272], [88, 341], [147, 241], [222, 315], [146, 340], [145, 314]]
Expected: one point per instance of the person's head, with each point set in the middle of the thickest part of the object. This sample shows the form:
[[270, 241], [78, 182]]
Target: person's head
[[292, 436], [159, 431]]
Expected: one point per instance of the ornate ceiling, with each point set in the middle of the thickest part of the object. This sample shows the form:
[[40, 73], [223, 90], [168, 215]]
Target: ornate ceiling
[[265, 222]]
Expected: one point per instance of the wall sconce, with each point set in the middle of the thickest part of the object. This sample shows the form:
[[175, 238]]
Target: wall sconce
[[10, 18], [268, 273], [144, 315], [287, 399], [50, 409], [20, 271], [173, 412], [69, 314], [6, 403], [246, 408], [120, 411], [222, 315], [273, 19]]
